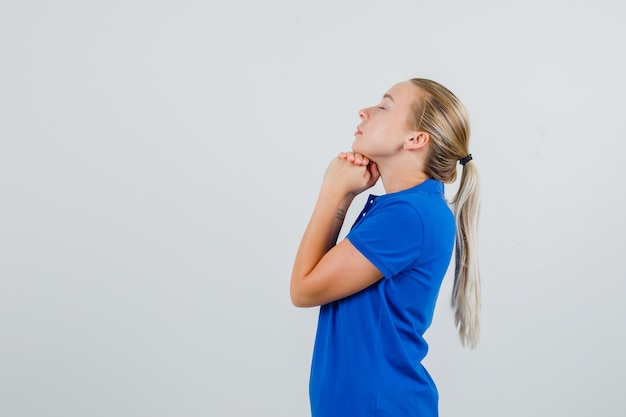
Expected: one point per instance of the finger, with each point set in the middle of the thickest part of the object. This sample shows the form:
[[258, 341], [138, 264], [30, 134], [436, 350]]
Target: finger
[[361, 159], [342, 155], [373, 168]]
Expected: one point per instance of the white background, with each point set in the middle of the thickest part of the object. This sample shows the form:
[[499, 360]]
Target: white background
[[159, 161]]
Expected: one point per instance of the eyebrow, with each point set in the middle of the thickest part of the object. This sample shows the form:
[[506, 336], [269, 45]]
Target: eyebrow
[[389, 97]]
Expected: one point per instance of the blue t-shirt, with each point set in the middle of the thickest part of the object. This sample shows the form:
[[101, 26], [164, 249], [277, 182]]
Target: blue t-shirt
[[369, 346]]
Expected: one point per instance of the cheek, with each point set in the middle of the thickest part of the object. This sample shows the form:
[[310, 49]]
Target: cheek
[[380, 133], [389, 134]]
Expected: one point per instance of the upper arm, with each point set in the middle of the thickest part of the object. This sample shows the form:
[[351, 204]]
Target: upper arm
[[341, 272]]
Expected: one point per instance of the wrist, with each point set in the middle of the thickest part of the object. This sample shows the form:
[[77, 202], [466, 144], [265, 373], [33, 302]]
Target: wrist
[[333, 205], [337, 198]]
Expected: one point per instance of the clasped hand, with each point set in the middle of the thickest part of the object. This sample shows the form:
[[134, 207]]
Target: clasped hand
[[351, 173]]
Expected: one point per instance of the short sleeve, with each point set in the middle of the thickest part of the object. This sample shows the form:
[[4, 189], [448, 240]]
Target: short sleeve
[[390, 236]]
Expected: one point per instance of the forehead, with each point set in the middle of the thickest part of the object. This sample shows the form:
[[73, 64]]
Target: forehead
[[403, 92]]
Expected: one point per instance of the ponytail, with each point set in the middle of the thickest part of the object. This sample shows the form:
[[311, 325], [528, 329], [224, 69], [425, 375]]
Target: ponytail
[[466, 289]]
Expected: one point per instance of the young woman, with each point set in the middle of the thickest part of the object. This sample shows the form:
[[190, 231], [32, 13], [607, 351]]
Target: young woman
[[377, 288]]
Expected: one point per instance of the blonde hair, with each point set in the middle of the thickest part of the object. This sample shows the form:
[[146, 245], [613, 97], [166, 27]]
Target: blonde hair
[[441, 114]]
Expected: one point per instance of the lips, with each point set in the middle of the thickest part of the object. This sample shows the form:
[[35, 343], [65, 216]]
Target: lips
[[358, 132]]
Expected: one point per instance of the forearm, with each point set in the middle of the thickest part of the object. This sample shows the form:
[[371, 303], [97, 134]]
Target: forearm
[[320, 235]]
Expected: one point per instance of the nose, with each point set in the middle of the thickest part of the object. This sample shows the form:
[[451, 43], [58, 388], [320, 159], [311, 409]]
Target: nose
[[363, 114]]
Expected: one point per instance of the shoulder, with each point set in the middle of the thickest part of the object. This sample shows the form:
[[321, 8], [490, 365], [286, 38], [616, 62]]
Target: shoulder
[[426, 203]]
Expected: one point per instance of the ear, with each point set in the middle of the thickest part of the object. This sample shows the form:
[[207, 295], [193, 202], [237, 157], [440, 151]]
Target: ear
[[417, 141]]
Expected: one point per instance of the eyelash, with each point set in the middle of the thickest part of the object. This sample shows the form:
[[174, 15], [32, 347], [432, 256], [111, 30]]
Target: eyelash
[[381, 107]]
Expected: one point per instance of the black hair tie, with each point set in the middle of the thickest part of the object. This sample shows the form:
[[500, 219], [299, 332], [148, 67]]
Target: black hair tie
[[466, 159]]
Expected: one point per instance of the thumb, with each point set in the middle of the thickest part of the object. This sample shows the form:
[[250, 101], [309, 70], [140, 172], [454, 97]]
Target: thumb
[[373, 168]]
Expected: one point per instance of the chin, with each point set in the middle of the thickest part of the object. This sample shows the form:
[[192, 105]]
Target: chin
[[357, 148]]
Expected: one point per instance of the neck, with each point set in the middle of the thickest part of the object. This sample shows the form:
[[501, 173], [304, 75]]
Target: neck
[[394, 181]]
